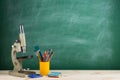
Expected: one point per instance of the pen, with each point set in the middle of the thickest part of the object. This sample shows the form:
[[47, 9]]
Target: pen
[[49, 51], [50, 55], [41, 55]]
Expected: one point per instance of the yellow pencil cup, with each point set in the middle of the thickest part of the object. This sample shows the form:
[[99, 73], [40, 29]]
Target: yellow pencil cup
[[44, 68]]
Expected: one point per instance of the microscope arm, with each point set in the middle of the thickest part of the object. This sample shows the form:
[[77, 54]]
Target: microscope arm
[[17, 64]]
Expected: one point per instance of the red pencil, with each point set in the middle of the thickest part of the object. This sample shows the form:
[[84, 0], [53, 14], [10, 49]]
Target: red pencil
[[45, 55]]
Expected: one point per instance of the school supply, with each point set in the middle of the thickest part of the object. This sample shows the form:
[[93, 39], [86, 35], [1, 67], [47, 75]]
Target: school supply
[[44, 68], [55, 74], [34, 76], [38, 53], [44, 60], [50, 55], [43, 57]]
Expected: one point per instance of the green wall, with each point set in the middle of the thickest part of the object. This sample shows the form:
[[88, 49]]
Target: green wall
[[84, 34]]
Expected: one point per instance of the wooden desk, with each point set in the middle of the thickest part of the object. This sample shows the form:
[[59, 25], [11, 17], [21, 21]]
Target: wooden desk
[[72, 75]]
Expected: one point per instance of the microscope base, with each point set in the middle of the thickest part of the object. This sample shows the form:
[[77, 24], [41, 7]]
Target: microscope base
[[21, 73]]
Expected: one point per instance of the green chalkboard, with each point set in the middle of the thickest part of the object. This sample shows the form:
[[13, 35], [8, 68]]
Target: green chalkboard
[[84, 34]]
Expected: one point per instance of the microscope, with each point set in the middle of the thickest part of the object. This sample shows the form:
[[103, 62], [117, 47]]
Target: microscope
[[19, 46]]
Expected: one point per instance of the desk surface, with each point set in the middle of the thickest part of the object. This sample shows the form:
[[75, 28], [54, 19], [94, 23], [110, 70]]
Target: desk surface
[[71, 75]]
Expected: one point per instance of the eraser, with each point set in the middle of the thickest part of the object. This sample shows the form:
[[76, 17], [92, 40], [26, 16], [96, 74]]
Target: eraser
[[34, 75]]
